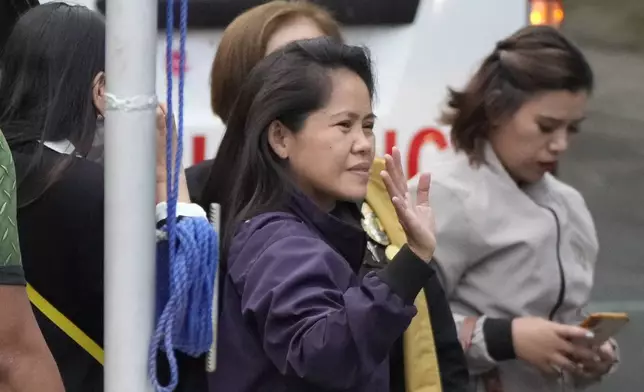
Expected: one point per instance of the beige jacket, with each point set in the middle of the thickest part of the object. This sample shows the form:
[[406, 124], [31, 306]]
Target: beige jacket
[[507, 252]]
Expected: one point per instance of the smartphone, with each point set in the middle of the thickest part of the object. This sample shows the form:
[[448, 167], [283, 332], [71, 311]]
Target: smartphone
[[605, 325]]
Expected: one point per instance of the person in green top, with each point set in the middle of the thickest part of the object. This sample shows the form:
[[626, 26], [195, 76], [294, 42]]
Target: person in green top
[[10, 261], [26, 364]]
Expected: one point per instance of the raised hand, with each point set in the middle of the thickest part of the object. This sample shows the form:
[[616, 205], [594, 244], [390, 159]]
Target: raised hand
[[416, 219], [162, 133], [161, 167]]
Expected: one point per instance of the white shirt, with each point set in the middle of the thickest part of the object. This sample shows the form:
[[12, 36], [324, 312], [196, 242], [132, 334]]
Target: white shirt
[[183, 209]]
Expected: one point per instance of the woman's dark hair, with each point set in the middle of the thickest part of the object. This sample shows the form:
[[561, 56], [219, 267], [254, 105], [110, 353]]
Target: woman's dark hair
[[533, 60], [247, 177], [10, 11], [47, 69]]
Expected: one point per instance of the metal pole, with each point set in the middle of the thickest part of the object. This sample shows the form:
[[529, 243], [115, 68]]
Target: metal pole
[[130, 157]]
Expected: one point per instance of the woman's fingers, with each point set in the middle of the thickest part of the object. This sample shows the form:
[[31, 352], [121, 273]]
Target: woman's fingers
[[560, 362], [422, 190], [392, 189], [162, 118], [579, 353], [572, 333], [397, 158], [161, 124], [607, 351], [405, 217], [399, 206], [399, 201], [394, 167], [390, 167]]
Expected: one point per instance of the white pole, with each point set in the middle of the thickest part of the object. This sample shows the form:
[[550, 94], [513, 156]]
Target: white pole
[[130, 157]]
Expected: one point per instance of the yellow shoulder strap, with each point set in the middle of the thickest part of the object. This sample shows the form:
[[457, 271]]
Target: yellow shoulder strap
[[66, 325]]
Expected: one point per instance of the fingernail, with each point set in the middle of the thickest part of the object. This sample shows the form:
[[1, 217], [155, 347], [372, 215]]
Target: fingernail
[[590, 335], [596, 358]]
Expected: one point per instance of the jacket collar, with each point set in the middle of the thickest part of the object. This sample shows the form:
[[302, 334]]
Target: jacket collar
[[494, 163], [340, 228], [538, 191]]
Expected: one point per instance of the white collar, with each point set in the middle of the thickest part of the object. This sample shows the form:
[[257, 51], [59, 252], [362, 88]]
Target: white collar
[[61, 146]]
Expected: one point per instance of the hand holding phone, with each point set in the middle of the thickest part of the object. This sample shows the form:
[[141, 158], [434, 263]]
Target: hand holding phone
[[604, 325]]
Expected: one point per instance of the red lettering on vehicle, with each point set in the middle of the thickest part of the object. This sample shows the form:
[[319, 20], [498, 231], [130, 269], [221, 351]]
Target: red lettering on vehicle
[[390, 141], [424, 136], [176, 62], [198, 149]]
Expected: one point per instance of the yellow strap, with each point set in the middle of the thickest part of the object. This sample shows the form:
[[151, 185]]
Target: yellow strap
[[422, 373], [66, 325]]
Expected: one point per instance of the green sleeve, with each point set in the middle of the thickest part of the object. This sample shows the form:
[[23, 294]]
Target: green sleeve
[[9, 244]]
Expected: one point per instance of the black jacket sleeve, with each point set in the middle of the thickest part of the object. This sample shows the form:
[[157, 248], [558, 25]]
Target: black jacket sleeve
[[451, 359], [406, 274], [196, 177]]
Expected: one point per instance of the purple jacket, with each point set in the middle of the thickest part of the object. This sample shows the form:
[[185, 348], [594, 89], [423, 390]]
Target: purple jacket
[[295, 315]]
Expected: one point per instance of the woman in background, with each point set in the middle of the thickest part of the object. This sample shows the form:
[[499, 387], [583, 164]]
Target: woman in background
[[246, 40], [25, 361], [516, 246], [431, 343], [52, 95]]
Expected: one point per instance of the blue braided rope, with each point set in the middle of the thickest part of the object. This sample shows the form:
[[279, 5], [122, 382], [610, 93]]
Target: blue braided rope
[[183, 34], [185, 324], [171, 221]]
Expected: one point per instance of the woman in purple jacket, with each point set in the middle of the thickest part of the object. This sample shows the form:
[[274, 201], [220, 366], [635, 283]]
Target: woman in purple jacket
[[295, 315]]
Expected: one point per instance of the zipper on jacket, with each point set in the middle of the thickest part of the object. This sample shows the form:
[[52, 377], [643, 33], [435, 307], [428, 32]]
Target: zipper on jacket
[[562, 287], [562, 276]]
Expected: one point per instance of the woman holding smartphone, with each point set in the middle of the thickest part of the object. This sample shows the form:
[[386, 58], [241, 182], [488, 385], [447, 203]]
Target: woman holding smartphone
[[517, 246]]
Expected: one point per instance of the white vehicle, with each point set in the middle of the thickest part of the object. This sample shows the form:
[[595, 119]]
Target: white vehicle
[[420, 47]]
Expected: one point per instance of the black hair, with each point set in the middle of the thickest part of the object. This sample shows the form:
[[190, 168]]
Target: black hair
[[10, 11], [47, 69], [247, 177]]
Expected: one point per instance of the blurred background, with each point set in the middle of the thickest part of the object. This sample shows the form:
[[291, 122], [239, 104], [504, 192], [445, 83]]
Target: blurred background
[[606, 164]]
